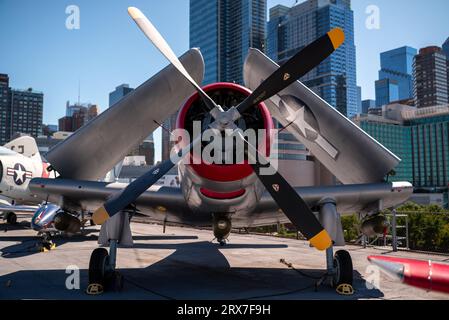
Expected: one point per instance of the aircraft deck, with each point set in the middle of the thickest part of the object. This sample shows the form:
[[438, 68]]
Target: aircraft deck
[[184, 264]]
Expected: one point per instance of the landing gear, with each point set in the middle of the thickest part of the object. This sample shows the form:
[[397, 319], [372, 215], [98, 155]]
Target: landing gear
[[11, 218], [103, 275], [222, 227], [343, 269], [339, 272]]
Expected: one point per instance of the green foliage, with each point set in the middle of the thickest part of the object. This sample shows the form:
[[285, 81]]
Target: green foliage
[[428, 227], [350, 227]]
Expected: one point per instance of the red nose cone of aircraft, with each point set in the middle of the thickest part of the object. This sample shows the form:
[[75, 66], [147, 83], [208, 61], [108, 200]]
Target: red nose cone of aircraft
[[426, 275], [233, 172]]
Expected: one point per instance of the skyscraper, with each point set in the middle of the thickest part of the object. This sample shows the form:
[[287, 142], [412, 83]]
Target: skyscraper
[[367, 104], [387, 90], [118, 94], [397, 66], [446, 51], [224, 30], [21, 111], [168, 127], [430, 73], [291, 29]]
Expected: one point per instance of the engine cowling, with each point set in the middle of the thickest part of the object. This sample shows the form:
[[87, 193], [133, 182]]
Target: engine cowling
[[223, 187]]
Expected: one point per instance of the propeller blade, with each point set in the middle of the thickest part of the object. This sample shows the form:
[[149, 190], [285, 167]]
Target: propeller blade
[[159, 42], [295, 68], [135, 189], [290, 202]]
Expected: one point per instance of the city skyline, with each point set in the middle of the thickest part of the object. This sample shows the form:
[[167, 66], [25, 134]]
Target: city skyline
[[117, 53]]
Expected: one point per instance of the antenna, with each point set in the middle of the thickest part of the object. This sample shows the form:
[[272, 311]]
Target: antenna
[[79, 91]]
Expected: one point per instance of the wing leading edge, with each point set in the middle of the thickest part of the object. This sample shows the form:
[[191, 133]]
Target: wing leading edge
[[97, 147]]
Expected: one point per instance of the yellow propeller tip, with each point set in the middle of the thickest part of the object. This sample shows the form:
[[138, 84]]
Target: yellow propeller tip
[[321, 241], [135, 13], [337, 37], [100, 216]]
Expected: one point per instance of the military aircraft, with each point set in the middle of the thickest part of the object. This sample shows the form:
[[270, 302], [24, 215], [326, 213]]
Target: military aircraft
[[20, 161], [216, 194]]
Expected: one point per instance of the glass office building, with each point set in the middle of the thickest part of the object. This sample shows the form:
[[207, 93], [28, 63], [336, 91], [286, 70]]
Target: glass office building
[[421, 140], [396, 66], [291, 29], [387, 90], [119, 93], [224, 30]]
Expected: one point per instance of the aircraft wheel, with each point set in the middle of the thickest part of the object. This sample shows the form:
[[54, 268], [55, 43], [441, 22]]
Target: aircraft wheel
[[343, 269], [11, 218], [98, 268]]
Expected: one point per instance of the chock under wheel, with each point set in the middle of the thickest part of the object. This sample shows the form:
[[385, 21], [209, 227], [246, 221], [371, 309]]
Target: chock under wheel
[[345, 289], [94, 289]]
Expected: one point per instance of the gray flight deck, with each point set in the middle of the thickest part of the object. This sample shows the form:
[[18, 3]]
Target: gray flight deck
[[185, 264]]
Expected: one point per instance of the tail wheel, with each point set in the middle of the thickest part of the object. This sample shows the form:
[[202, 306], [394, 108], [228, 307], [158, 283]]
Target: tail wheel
[[99, 260], [11, 218], [343, 269]]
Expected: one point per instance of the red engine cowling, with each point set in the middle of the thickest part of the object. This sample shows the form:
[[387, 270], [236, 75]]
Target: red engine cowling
[[223, 182]]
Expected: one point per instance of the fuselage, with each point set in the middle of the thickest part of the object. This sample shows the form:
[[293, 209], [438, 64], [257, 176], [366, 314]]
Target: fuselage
[[16, 172]]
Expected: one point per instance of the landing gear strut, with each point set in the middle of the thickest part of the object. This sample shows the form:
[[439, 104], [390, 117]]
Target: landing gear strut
[[11, 218], [103, 275], [339, 272], [339, 266]]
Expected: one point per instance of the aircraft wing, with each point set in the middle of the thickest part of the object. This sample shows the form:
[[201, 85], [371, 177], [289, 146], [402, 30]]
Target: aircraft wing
[[97, 147], [18, 209], [347, 151], [159, 201]]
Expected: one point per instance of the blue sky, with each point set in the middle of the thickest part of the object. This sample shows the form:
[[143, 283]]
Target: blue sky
[[39, 52]]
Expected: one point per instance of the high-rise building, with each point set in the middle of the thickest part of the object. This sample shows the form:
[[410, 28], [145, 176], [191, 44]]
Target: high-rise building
[[169, 126], [291, 29], [224, 30], [77, 115], [420, 137], [118, 94], [21, 111], [430, 73], [368, 104], [359, 99], [397, 66], [387, 90], [446, 51]]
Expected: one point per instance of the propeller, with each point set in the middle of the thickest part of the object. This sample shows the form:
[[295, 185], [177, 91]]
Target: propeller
[[288, 200], [159, 42], [284, 195], [295, 68], [123, 199]]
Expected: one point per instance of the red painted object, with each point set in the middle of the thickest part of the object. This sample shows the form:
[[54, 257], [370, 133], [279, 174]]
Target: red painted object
[[225, 173], [222, 196], [426, 275]]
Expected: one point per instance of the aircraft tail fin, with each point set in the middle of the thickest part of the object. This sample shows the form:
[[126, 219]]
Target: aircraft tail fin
[[25, 145]]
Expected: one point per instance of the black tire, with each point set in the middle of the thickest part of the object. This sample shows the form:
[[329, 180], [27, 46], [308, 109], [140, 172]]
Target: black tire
[[11, 218], [97, 266], [343, 268]]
